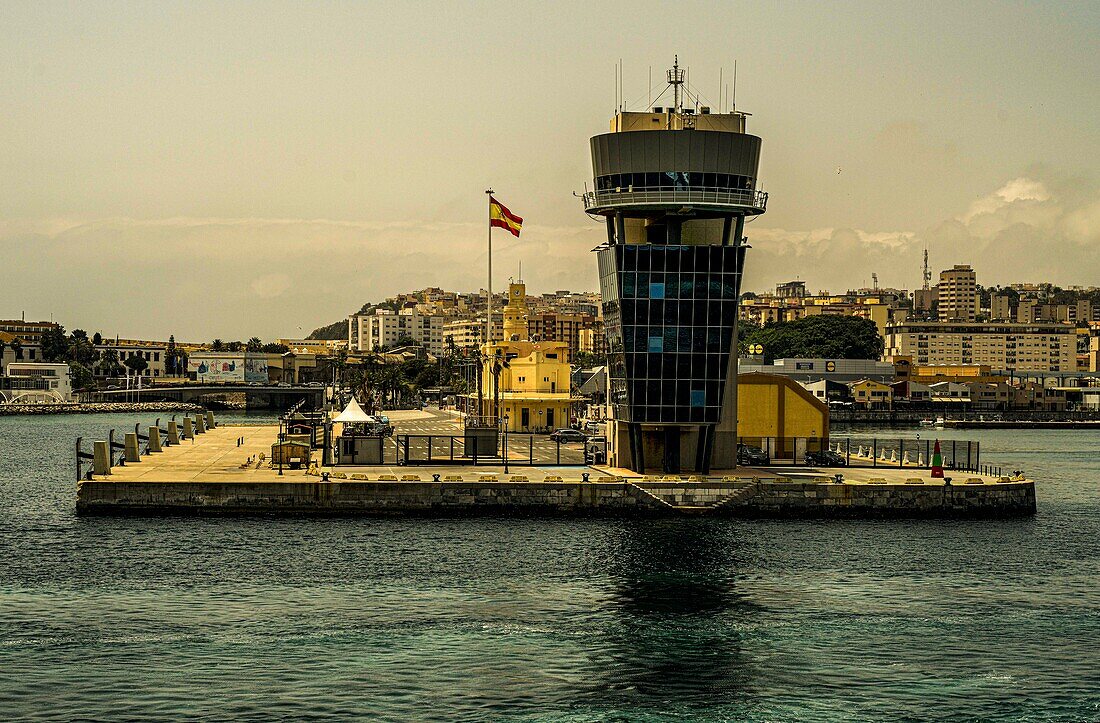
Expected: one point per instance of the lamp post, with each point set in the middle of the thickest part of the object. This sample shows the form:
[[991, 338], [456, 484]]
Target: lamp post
[[504, 453], [281, 450]]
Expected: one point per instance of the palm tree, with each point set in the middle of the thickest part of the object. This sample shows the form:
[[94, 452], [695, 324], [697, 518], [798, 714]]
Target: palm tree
[[255, 344], [217, 345]]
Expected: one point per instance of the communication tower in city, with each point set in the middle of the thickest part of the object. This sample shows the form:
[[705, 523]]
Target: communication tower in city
[[674, 186]]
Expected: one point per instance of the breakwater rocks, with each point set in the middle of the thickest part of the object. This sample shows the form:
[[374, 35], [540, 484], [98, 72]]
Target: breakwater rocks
[[755, 498], [99, 408]]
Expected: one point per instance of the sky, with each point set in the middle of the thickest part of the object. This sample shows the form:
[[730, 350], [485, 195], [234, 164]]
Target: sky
[[212, 169]]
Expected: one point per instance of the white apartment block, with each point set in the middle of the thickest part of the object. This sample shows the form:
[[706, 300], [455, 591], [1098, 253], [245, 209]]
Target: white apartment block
[[367, 332], [958, 294], [1004, 347]]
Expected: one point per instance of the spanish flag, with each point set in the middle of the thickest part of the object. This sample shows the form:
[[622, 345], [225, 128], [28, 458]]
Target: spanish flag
[[501, 217]]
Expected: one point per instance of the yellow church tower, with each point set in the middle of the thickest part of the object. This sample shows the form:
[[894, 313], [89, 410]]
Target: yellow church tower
[[527, 381]]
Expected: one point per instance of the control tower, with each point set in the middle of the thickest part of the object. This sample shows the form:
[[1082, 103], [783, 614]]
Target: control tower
[[674, 185]]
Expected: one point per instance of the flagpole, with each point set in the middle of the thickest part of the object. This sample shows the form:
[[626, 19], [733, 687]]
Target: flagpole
[[489, 299]]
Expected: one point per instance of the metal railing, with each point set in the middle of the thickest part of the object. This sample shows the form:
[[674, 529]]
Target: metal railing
[[518, 448], [644, 196], [956, 454]]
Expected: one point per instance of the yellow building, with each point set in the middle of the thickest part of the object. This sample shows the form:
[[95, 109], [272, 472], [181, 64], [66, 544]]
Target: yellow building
[[527, 382], [869, 394], [778, 414]]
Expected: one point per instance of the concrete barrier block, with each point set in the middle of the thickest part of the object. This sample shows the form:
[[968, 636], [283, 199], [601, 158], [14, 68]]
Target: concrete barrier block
[[131, 448], [387, 478], [359, 476], [453, 478], [410, 478]]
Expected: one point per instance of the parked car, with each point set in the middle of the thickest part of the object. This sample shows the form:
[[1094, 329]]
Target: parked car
[[825, 458], [594, 428], [567, 435], [751, 455]]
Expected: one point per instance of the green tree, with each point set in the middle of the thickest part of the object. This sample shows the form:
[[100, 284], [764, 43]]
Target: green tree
[[217, 345], [97, 338], [81, 375], [55, 345], [826, 336], [274, 348], [171, 357], [81, 349], [234, 346], [136, 363], [108, 365], [255, 344], [585, 359]]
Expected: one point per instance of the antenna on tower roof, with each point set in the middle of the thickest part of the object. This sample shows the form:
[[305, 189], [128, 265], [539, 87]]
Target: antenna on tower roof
[[734, 108], [676, 79], [927, 273]]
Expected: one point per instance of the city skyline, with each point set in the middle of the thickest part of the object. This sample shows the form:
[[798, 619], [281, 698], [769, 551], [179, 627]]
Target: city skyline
[[259, 183]]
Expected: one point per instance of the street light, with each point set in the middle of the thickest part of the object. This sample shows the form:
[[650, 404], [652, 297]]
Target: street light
[[504, 453]]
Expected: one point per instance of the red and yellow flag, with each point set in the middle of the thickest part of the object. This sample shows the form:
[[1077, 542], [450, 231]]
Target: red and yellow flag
[[501, 217]]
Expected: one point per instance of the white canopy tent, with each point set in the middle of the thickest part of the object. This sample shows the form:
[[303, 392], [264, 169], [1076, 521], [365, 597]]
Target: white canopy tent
[[353, 414]]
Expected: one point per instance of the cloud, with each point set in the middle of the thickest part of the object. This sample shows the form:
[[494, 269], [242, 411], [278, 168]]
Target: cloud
[[199, 278], [270, 285], [1031, 228]]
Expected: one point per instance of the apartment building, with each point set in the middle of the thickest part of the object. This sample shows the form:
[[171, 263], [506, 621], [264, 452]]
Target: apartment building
[[154, 353], [1001, 346], [28, 332], [551, 326], [958, 294], [383, 328]]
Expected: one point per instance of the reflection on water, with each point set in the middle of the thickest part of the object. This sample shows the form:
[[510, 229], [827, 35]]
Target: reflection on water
[[261, 618], [680, 613]]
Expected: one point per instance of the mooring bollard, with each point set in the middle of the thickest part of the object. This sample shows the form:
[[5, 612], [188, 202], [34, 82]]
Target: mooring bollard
[[188, 428], [131, 451], [101, 460], [210, 420], [200, 424], [173, 432], [154, 439]]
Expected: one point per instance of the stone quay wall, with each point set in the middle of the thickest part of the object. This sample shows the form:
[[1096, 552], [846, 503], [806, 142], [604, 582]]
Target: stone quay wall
[[99, 408], [567, 498]]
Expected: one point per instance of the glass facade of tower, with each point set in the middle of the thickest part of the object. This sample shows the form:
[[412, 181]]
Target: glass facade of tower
[[669, 315]]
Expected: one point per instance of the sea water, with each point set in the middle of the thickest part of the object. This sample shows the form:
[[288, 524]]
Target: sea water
[[273, 617]]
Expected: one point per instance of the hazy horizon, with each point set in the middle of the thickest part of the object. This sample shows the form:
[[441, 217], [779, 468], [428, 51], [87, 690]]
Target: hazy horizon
[[210, 170]]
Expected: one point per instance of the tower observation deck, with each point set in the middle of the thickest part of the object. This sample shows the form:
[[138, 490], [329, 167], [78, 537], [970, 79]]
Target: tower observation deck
[[674, 186]]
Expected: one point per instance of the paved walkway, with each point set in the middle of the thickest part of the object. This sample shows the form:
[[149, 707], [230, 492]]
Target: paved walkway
[[215, 456]]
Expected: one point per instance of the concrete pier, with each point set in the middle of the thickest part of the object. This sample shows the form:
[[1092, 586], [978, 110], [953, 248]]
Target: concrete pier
[[216, 475]]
